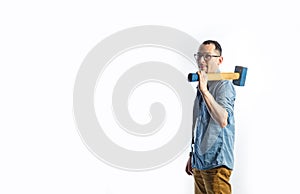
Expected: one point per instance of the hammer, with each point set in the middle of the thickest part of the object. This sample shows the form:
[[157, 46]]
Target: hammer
[[238, 77]]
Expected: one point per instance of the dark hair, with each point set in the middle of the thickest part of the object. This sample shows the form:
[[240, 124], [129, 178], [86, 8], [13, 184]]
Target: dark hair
[[217, 45]]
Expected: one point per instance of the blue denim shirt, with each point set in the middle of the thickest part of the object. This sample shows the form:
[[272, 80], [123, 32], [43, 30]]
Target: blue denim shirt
[[212, 145]]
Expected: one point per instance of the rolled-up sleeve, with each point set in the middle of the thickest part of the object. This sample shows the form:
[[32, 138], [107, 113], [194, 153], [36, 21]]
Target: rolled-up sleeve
[[225, 96]]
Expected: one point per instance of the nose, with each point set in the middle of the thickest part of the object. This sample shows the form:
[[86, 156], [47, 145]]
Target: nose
[[201, 62]]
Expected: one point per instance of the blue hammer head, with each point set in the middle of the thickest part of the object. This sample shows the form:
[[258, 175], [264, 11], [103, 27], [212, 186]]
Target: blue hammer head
[[243, 73]]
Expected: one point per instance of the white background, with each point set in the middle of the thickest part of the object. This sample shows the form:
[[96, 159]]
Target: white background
[[43, 44]]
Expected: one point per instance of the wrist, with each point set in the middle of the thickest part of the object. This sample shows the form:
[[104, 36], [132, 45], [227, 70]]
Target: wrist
[[204, 91]]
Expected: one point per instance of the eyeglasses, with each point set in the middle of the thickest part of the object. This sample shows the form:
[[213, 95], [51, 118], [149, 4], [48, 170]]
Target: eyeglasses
[[206, 57]]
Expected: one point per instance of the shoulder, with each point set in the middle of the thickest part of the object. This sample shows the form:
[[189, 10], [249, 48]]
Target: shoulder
[[222, 85], [225, 84], [223, 88]]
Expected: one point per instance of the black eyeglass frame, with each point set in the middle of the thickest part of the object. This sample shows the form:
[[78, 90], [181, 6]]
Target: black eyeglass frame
[[206, 57]]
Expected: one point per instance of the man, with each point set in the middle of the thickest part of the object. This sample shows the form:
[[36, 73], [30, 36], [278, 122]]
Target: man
[[211, 159]]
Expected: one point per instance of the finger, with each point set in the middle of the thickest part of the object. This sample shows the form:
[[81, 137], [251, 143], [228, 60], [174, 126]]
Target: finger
[[189, 172], [203, 74], [199, 73], [200, 76]]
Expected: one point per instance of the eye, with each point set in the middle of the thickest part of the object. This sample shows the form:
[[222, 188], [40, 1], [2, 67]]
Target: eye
[[207, 57]]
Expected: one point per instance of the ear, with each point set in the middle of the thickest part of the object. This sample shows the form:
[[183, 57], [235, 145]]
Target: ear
[[220, 59]]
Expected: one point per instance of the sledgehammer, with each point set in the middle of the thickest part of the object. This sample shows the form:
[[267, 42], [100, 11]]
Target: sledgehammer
[[238, 77]]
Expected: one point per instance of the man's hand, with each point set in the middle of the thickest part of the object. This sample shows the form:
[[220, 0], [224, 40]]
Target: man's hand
[[202, 81], [188, 168]]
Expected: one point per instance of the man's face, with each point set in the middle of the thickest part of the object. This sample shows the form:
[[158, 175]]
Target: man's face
[[209, 59]]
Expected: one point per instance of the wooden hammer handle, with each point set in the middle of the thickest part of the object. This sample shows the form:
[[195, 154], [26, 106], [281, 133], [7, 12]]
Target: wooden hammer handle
[[222, 76]]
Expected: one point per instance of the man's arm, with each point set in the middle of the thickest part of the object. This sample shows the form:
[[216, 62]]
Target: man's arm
[[217, 112]]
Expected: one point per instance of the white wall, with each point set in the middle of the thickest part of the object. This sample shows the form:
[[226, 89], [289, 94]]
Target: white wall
[[42, 45]]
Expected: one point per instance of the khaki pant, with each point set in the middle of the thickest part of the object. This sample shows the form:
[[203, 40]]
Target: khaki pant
[[212, 181]]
